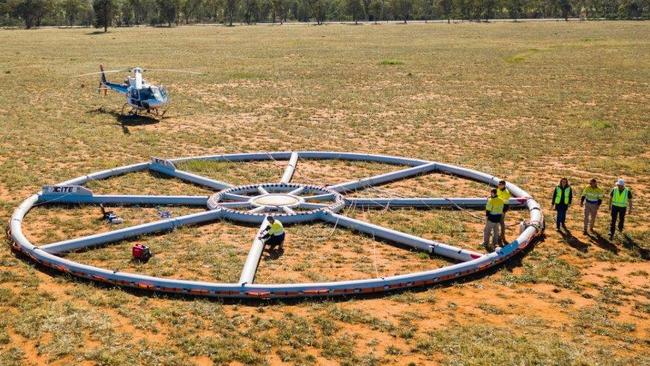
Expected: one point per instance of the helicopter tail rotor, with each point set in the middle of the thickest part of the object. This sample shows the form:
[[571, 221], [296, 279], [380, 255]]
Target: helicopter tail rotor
[[101, 69], [102, 81]]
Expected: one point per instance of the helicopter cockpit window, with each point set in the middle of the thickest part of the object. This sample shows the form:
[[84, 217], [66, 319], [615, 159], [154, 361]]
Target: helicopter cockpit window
[[156, 93], [145, 93]]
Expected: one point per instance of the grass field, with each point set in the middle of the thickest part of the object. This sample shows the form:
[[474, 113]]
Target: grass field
[[528, 102]]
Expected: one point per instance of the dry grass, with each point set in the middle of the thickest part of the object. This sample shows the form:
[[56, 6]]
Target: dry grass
[[527, 102]]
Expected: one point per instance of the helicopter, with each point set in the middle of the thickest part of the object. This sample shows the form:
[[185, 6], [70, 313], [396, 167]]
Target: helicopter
[[141, 97]]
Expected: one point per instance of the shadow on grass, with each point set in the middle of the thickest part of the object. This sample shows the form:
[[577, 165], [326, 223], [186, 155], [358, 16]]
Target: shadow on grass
[[131, 120], [602, 242], [574, 242], [631, 244], [272, 254], [126, 120]]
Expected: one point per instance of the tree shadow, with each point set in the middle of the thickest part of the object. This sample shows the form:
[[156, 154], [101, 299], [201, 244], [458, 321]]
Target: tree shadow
[[96, 33], [603, 243], [631, 244]]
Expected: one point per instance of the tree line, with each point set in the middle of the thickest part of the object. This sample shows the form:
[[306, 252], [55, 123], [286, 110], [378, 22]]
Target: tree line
[[105, 13]]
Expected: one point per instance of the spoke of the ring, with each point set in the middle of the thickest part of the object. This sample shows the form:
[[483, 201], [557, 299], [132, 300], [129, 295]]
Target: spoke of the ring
[[288, 210], [320, 197], [235, 197], [262, 190], [384, 178], [312, 206], [253, 259], [235, 204], [431, 202], [117, 199], [191, 177], [290, 169], [297, 191], [413, 241], [257, 209], [121, 234]]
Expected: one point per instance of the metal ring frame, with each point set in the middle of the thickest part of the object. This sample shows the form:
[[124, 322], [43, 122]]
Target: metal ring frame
[[469, 262]]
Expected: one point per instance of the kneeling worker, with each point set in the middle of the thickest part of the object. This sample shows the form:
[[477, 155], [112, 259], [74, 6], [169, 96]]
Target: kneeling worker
[[493, 212], [273, 234]]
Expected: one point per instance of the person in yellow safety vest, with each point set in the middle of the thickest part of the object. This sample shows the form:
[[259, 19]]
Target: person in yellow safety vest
[[591, 199], [273, 233], [620, 199], [493, 213], [562, 197], [504, 194]]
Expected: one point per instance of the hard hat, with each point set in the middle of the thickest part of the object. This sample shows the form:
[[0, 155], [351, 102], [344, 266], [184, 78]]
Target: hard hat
[[620, 182]]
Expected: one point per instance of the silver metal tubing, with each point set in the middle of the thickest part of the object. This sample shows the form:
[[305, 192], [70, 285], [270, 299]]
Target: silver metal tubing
[[254, 254], [291, 168], [384, 178], [426, 245], [129, 232], [426, 202]]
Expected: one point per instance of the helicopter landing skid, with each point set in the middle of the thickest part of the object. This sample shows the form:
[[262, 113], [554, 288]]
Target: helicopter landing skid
[[134, 111], [157, 112], [131, 111]]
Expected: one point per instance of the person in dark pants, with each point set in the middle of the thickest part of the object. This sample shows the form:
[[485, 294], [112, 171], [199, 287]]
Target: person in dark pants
[[620, 199], [562, 197]]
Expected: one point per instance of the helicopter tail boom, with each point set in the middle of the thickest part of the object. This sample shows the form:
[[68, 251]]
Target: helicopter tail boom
[[104, 84]]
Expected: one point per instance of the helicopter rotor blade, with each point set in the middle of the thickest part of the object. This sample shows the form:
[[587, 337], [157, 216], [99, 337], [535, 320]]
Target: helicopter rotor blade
[[176, 70], [105, 72]]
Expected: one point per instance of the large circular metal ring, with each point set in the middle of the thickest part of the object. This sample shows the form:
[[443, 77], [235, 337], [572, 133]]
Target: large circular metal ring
[[291, 203]]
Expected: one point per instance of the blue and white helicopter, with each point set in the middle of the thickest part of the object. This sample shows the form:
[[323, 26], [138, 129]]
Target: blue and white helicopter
[[141, 96]]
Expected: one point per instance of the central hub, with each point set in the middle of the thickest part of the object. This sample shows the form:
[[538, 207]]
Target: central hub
[[294, 202], [276, 199]]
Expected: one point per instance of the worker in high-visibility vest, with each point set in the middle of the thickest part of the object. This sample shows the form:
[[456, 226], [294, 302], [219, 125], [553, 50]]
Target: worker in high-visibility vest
[[591, 199], [273, 234], [620, 203], [493, 213], [562, 197], [504, 194]]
